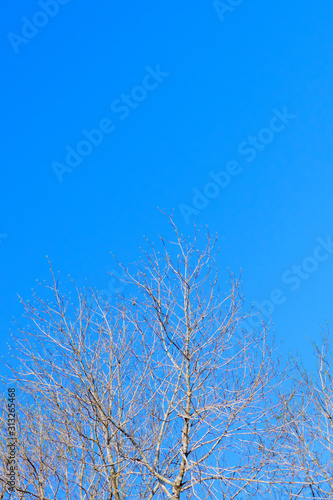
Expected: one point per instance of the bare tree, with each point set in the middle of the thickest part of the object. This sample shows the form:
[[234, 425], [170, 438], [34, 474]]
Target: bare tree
[[307, 446], [161, 395]]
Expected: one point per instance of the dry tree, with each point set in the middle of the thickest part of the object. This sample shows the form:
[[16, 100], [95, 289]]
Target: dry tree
[[164, 394], [306, 449]]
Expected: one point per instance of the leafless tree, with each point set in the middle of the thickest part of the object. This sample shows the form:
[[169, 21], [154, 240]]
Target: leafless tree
[[161, 395], [307, 446]]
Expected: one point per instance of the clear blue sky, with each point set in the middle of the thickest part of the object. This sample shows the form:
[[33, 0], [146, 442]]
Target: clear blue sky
[[182, 93]]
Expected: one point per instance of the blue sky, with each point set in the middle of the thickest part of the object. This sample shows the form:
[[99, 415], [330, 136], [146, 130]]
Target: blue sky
[[180, 94]]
